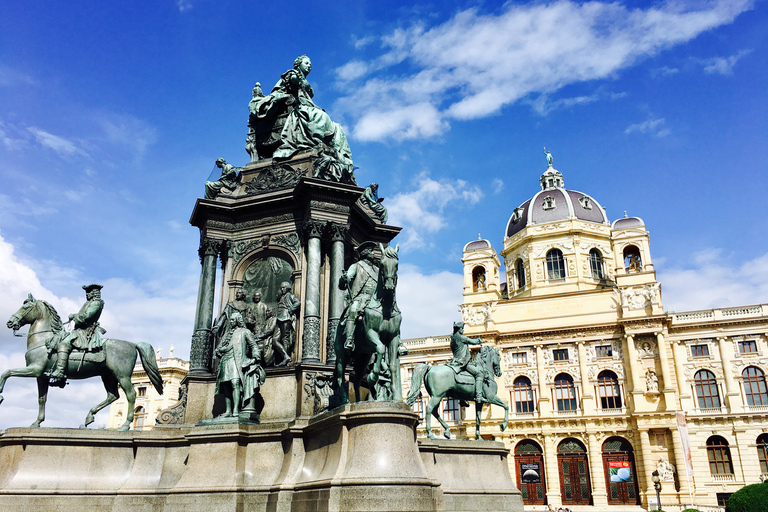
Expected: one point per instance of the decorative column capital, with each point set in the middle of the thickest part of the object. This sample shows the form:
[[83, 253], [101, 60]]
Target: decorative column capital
[[225, 252], [337, 232], [208, 247], [314, 228]]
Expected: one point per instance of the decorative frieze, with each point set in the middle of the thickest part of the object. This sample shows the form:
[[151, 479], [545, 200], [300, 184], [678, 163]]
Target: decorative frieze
[[277, 176], [290, 241]]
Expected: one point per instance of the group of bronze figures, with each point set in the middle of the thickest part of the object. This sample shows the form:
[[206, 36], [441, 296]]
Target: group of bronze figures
[[250, 336]]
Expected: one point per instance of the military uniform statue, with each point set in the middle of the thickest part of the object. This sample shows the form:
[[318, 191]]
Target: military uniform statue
[[288, 306], [462, 359], [256, 315], [360, 282], [85, 336]]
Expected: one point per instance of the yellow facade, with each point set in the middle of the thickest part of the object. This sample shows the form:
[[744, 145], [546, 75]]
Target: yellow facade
[[594, 370], [148, 402]]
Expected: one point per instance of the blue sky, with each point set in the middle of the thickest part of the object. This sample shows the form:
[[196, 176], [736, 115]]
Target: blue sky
[[112, 114]]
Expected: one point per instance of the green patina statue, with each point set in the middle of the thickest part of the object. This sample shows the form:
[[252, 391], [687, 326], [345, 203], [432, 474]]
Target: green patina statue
[[86, 335], [240, 372], [286, 122], [457, 380], [370, 337], [51, 351], [228, 179], [371, 199], [288, 306], [549, 157]]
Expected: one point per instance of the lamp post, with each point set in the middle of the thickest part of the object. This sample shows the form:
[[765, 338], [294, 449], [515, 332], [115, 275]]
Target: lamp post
[[657, 485]]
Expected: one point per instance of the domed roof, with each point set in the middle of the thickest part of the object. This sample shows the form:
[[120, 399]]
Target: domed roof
[[628, 222], [478, 244], [555, 203]]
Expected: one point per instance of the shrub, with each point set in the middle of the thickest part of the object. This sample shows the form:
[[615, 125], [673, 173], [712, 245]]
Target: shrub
[[752, 498], [691, 510]]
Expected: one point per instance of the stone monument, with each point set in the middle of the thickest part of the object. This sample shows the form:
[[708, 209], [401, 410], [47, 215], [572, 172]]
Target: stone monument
[[257, 427]]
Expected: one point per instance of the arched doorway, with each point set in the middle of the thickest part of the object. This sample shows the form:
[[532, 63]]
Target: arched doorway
[[574, 472], [620, 474], [530, 472]]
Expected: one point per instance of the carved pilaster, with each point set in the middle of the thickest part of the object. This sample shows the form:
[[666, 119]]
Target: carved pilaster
[[337, 234], [310, 340], [310, 353], [201, 351]]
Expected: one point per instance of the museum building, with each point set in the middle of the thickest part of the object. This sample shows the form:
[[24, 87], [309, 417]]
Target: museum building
[[596, 373]]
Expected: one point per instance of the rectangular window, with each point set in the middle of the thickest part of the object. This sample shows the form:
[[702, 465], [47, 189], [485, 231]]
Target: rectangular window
[[700, 350], [519, 358], [418, 407], [560, 354], [661, 439], [141, 391], [722, 498], [451, 411], [604, 351], [748, 347]]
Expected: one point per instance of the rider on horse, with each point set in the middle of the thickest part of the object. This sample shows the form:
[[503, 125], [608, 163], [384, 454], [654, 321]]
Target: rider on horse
[[360, 282], [85, 336], [462, 359]]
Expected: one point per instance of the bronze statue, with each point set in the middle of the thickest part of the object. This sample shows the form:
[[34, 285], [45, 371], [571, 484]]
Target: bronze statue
[[371, 199], [287, 121], [114, 363], [376, 342], [288, 306], [256, 314], [85, 336], [228, 179], [222, 329], [444, 381], [240, 373], [360, 282], [462, 360]]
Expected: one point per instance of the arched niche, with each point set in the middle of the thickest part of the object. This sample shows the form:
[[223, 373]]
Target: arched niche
[[264, 271]]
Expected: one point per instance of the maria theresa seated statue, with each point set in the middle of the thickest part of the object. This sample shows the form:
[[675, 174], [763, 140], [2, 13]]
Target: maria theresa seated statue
[[287, 121]]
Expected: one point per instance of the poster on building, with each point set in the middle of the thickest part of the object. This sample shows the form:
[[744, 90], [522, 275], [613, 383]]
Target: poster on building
[[530, 472], [682, 429], [620, 471]]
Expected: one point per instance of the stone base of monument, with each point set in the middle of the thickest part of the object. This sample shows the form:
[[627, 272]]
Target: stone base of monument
[[362, 457]]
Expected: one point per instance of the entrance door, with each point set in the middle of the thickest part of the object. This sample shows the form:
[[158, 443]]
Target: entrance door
[[620, 478], [574, 478], [530, 478]]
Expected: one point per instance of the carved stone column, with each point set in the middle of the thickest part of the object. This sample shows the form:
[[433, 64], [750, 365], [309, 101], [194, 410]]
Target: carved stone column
[[667, 389], [338, 234], [732, 393], [545, 403], [310, 351], [202, 350], [648, 465], [587, 390], [599, 491], [635, 370]]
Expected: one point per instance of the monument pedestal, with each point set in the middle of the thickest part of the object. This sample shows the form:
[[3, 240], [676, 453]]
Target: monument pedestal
[[360, 457]]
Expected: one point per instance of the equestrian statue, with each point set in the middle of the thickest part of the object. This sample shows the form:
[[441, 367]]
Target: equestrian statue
[[369, 328], [463, 378], [53, 354]]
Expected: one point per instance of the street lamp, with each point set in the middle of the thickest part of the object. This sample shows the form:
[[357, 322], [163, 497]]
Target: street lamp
[[657, 485]]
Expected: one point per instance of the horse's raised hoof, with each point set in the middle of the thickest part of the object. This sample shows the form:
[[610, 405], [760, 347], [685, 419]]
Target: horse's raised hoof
[[1, 399], [447, 434], [430, 435], [35, 425], [88, 420], [503, 427]]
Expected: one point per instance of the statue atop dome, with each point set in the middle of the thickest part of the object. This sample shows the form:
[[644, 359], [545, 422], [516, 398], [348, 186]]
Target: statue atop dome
[[286, 122], [549, 157]]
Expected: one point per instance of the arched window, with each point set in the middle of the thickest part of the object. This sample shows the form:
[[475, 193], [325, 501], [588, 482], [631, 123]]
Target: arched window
[[520, 273], [610, 394], [523, 394], [596, 264], [706, 389], [754, 386], [632, 260], [139, 417], [762, 452], [565, 392], [719, 456], [555, 264]]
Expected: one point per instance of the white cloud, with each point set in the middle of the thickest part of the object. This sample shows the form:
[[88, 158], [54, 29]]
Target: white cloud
[[497, 185], [56, 143], [723, 65], [362, 42], [421, 211], [429, 302], [652, 126], [128, 131], [709, 280], [475, 64], [160, 313], [664, 71], [543, 105], [10, 77], [183, 5]]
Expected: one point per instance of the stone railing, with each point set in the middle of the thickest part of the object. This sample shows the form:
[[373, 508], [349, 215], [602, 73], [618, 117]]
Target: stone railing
[[723, 478], [720, 314]]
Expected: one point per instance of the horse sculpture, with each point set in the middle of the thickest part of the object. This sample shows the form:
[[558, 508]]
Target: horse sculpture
[[442, 381], [377, 339], [114, 363]]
